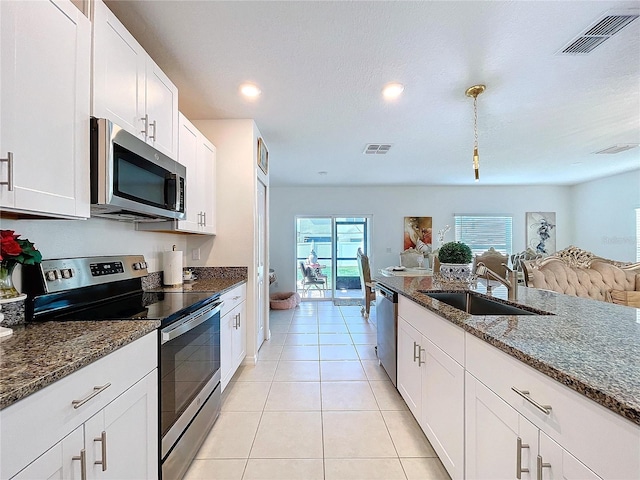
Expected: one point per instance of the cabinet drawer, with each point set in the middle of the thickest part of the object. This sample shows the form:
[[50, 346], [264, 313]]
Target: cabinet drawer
[[447, 336], [232, 298], [32, 425], [592, 433]]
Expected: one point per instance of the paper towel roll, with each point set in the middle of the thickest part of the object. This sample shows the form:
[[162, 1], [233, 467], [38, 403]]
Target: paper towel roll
[[172, 267]]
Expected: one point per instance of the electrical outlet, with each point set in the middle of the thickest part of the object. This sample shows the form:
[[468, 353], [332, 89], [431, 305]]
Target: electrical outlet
[[195, 254], [388, 249]]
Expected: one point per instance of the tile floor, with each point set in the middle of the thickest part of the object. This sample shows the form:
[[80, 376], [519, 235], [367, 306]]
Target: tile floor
[[317, 406]]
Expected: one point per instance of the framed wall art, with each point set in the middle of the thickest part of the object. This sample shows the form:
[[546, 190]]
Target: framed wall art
[[541, 232], [418, 233], [263, 156]]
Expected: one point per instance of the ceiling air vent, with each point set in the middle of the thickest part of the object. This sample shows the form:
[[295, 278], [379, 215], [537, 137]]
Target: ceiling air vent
[[617, 149], [376, 148], [601, 30]]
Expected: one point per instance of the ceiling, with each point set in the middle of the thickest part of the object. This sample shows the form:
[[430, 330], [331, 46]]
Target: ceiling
[[321, 67]]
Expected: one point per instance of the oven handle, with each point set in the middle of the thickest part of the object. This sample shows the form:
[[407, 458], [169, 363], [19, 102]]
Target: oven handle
[[189, 323]]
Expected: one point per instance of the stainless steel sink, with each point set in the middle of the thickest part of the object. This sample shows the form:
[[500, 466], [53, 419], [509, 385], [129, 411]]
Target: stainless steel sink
[[478, 305]]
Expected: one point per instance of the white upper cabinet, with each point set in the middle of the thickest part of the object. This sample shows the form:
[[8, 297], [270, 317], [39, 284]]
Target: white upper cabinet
[[129, 88], [44, 119]]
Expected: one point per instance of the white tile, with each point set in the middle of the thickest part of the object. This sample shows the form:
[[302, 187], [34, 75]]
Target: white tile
[[330, 319], [297, 371], [245, 396], [361, 328], [332, 328], [288, 435], [341, 370], [297, 328], [351, 310], [231, 436], [363, 469], [406, 434], [424, 469], [374, 370], [301, 339], [300, 352], [387, 396], [269, 352], [277, 338], [347, 396], [338, 352], [356, 435], [284, 469], [293, 396], [278, 327], [305, 320], [218, 469], [335, 339], [263, 371], [364, 338], [366, 352]]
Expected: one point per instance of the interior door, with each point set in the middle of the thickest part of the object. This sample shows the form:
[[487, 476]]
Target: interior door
[[261, 261]]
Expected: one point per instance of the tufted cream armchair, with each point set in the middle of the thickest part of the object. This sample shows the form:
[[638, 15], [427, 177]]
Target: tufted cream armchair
[[582, 274]]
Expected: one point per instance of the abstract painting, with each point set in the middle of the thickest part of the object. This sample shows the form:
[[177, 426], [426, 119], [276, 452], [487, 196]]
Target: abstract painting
[[418, 233], [541, 232]]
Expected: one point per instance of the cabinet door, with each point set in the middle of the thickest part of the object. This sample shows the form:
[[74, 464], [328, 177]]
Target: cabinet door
[[119, 69], [45, 78], [188, 139], [124, 435], [58, 462], [496, 437], [162, 110], [558, 464], [239, 338], [443, 407], [207, 185], [226, 340], [409, 368]]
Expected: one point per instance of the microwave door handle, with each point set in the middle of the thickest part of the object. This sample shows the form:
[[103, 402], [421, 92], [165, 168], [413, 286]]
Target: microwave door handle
[[172, 192]]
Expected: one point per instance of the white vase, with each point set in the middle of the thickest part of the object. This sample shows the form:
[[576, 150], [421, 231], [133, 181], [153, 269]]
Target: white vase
[[455, 271]]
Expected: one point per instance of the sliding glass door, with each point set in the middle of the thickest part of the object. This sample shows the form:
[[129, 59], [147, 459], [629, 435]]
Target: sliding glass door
[[326, 256]]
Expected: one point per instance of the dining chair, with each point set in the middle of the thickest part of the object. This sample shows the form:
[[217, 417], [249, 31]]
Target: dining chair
[[366, 283]]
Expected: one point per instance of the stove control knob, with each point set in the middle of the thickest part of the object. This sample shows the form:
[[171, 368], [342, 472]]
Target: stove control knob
[[51, 275], [138, 266], [144, 264], [66, 273]]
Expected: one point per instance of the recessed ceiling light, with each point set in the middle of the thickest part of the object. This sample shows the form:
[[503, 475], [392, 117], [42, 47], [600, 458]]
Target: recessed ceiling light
[[250, 90], [392, 90]]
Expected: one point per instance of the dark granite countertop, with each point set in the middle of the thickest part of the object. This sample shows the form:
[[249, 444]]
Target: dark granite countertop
[[38, 354], [212, 285], [590, 346]]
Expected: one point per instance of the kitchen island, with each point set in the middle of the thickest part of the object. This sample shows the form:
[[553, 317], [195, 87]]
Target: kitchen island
[[571, 373]]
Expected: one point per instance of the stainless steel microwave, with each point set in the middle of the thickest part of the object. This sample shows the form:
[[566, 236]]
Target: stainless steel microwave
[[131, 180]]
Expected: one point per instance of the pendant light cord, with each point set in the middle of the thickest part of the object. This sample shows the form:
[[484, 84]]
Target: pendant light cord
[[475, 121]]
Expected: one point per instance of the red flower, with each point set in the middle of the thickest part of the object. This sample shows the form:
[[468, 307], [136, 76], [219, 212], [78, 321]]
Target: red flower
[[10, 247]]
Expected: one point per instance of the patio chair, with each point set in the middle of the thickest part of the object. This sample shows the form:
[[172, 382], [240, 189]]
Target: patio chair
[[366, 283], [310, 279]]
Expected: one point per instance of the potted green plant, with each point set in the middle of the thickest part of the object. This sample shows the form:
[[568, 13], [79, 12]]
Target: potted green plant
[[455, 260]]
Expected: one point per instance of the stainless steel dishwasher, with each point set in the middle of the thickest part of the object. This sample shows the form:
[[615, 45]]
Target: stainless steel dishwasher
[[387, 317]]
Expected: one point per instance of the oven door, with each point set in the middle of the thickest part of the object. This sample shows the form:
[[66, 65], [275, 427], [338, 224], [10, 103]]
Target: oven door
[[189, 370]]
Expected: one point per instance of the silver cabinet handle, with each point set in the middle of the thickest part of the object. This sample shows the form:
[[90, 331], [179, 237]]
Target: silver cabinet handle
[[416, 357], [420, 361], [103, 439], [153, 124], [9, 160], [204, 219], [145, 131], [519, 469], [83, 464], [238, 320], [541, 465], [96, 391], [546, 409]]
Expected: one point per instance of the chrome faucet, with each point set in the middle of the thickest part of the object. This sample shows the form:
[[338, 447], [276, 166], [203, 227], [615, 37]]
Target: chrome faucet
[[511, 282]]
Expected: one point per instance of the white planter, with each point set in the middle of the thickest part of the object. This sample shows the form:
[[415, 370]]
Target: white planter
[[455, 271]]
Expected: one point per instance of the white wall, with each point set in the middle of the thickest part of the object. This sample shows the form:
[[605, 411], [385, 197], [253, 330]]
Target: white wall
[[389, 206], [96, 236], [604, 215]]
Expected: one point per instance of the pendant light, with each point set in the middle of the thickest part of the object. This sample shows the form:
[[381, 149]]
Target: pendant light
[[474, 91]]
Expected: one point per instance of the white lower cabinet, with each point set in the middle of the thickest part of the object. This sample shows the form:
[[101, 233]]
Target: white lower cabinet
[[233, 339], [100, 422], [432, 384]]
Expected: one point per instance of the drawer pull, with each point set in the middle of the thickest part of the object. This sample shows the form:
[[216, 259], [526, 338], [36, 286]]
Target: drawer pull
[[519, 469], [420, 361], [546, 409], [416, 357], [103, 440], [9, 162], [96, 391], [541, 465], [83, 464]]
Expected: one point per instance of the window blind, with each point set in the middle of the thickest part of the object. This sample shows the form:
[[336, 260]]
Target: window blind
[[481, 232]]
